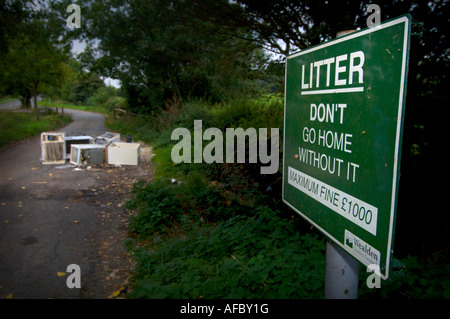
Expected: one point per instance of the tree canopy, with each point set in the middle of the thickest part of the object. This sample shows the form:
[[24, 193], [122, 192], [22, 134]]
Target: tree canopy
[[164, 49], [33, 57]]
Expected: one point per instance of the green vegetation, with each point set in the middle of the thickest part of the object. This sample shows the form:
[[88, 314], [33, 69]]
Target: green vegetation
[[16, 126], [413, 278], [32, 56], [258, 256], [208, 231]]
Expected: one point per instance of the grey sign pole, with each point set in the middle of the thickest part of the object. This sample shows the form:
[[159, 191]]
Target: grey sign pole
[[341, 274]]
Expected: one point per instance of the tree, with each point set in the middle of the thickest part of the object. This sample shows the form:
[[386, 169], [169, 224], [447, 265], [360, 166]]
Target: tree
[[12, 15], [163, 50], [34, 59], [84, 86], [285, 26]]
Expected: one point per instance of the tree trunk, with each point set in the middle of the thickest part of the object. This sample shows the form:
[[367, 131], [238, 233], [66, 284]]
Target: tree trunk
[[25, 100], [35, 93]]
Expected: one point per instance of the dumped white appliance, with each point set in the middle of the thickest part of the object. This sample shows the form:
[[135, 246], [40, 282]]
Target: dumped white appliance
[[124, 153], [53, 148], [87, 154], [107, 138], [80, 139], [87, 150]]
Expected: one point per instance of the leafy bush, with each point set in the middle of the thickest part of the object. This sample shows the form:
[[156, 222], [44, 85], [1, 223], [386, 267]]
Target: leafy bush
[[207, 230], [115, 102], [166, 202], [412, 278], [102, 95], [158, 207], [261, 256]]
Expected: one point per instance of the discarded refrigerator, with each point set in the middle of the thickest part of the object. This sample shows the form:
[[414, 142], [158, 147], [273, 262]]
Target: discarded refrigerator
[[86, 154], [80, 139], [124, 153]]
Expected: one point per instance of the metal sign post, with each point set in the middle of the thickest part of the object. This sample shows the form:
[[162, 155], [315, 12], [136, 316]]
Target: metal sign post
[[341, 275], [344, 109]]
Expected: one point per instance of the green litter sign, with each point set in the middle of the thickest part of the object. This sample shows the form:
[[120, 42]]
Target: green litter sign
[[343, 121]]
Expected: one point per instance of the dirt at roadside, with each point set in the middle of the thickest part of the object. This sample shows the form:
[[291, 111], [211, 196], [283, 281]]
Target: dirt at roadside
[[110, 263]]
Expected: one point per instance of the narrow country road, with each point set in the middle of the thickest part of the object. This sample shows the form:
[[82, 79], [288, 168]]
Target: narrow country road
[[51, 217], [16, 104]]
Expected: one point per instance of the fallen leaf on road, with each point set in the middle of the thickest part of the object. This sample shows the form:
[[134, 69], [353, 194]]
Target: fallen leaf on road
[[76, 221], [10, 296], [60, 274], [23, 187], [117, 292], [6, 221], [50, 174]]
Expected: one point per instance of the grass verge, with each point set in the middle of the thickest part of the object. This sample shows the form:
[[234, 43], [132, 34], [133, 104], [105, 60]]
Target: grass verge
[[16, 126]]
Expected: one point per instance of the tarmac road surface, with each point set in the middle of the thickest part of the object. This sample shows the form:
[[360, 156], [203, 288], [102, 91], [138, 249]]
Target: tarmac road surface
[[14, 105], [52, 217]]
